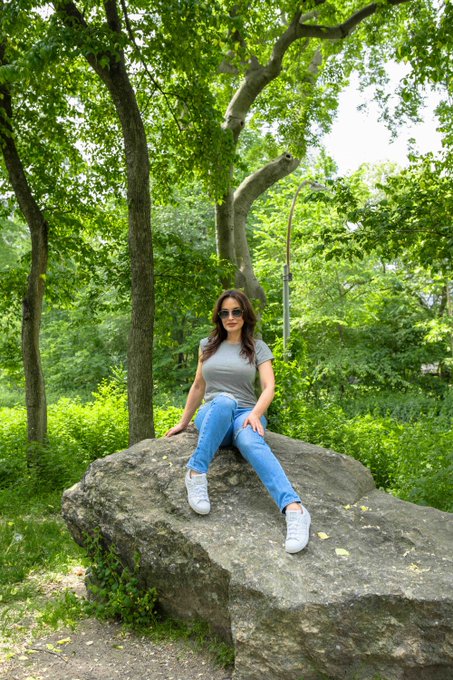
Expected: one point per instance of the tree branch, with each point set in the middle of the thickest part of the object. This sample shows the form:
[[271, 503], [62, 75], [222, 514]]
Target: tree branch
[[252, 187], [258, 76], [13, 163], [71, 17], [261, 180], [343, 30]]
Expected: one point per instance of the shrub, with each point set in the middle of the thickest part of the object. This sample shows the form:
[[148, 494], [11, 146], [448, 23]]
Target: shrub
[[116, 589], [407, 445]]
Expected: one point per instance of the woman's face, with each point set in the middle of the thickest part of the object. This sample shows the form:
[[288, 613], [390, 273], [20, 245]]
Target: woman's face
[[231, 323]]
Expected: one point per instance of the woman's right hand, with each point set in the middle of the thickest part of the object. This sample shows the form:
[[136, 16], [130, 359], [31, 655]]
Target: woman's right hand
[[180, 427]]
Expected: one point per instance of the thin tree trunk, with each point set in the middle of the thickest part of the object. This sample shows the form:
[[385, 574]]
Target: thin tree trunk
[[140, 349], [449, 312], [35, 394]]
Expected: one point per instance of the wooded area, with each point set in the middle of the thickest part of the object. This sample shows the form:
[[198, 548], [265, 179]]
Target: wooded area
[[214, 110]]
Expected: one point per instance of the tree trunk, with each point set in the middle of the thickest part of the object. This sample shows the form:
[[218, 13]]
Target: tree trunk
[[35, 394], [225, 231], [140, 349]]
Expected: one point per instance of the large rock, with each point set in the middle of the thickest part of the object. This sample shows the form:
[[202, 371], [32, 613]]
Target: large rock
[[371, 600]]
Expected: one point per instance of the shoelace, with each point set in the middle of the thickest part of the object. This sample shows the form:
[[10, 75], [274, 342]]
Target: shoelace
[[198, 490], [295, 525]]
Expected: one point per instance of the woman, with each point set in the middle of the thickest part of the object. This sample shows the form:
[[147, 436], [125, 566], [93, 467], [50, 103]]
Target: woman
[[231, 413]]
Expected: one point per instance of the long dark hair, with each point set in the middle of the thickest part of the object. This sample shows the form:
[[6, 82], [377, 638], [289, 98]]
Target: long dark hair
[[219, 334]]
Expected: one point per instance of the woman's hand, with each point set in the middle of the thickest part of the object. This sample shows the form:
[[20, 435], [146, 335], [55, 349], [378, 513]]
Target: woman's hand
[[180, 427], [255, 423]]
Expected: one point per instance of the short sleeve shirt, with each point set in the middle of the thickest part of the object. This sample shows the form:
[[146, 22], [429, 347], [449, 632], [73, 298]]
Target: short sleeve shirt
[[229, 372]]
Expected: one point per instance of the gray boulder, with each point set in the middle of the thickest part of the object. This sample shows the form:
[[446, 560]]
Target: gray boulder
[[370, 597]]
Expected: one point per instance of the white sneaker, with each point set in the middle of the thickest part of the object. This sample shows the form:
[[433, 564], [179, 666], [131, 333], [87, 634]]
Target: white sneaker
[[197, 493], [298, 530]]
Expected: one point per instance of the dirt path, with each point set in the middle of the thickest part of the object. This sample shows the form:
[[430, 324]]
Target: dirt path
[[103, 651], [98, 650]]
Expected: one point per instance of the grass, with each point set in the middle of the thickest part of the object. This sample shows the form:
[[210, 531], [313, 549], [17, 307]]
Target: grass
[[36, 554]]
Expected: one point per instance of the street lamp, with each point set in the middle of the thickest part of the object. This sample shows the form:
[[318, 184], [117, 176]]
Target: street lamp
[[287, 275]]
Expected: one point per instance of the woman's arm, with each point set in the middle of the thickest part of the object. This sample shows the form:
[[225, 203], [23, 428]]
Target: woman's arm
[[194, 399], [267, 380]]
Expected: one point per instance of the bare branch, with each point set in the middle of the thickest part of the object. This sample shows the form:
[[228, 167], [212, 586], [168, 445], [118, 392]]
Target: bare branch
[[261, 180]]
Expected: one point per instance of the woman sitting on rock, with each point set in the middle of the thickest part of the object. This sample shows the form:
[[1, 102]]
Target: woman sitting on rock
[[231, 414]]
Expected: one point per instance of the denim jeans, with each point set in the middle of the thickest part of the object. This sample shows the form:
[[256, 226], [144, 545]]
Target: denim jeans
[[220, 423]]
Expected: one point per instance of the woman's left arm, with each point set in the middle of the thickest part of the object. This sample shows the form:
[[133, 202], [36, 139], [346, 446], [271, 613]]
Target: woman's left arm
[[267, 380]]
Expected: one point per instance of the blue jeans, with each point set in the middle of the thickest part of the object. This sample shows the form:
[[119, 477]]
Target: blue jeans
[[220, 423]]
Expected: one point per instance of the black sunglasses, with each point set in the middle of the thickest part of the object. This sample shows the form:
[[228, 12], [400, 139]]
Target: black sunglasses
[[224, 313]]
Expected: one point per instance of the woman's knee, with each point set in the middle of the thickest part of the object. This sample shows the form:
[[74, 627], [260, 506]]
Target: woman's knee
[[247, 440]]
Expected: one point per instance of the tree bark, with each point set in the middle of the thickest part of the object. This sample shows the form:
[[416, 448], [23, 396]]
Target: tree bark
[[225, 231], [35, 393], [140, 349]]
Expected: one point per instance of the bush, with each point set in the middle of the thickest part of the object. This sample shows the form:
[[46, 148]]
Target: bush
[[116, 589], [409, 452], [78, 433]]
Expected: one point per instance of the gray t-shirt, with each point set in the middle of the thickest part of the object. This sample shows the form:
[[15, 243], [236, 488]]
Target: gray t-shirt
[[228, 372]]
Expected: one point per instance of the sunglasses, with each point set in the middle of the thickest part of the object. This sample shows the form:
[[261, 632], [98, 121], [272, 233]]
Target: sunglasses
[[225, 314]]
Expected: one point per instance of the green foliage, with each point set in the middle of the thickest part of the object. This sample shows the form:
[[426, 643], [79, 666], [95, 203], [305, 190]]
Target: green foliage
[[78, 434], [167, 416], [116, 589], [409, 217], [409, 452], [22, 548]]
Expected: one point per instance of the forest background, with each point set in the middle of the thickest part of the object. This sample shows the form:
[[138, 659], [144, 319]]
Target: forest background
[[215, 111]]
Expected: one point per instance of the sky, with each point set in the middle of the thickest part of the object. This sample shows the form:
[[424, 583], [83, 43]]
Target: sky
[[358, 137]]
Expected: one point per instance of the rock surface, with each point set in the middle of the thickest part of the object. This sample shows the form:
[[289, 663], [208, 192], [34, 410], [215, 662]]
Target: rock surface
[[370, 597]]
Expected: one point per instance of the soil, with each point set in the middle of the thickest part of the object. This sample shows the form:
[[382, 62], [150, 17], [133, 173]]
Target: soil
[[98, 650], [103, 651]]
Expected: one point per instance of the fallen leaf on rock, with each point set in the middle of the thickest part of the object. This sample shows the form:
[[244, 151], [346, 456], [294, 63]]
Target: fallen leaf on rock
[[364, 508], [347, 507], [341, 552], [64, 641], [322, 535], [416, 568]]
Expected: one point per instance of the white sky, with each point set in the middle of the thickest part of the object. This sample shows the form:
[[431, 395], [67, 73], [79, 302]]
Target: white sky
[[358, 137]]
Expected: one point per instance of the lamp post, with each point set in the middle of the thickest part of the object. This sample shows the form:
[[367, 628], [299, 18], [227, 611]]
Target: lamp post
[[287, 275]]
